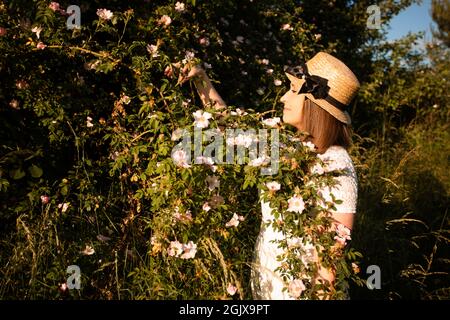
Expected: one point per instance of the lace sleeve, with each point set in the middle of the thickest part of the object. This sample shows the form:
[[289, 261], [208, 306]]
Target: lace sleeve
[[346, 188]]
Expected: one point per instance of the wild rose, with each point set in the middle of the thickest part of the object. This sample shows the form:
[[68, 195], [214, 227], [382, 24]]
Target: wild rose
[[231, 289], [179, 6], [63, 287], [165, 20], [296, 287], [2, 31], [153, 50], [258, 161], [201, 118], [343, 234], [189, 250], [63, 206], [273, 186], [37, 30], [286, 26], [180, 158], [88, 251], [189, 55], [296, 204], [175, 249], [168, 71], [14, 104], [271, 122], [234, 221], [245, 140], [311, 146], [54, 6], [206, 207], [21, 84], [104, 14], [89, 124], [125, 99], [278, 82], [239, 112], [204, 42], [41, 46], [45, 199]]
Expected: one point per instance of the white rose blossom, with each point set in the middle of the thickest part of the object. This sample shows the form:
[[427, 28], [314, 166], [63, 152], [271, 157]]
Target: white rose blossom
[[202, 118], [179, 6], [271, 122], [88, 251], [296, 204], [234, 221], [273, 186], [189, 250], [104, 14]]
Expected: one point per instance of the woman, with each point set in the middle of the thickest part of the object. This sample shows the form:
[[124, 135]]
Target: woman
[[320, 91]]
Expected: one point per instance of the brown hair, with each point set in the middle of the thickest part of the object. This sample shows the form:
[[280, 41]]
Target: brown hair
[[324, 130]]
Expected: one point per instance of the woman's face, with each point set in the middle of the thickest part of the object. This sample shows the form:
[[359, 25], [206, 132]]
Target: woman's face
[[293, 105]]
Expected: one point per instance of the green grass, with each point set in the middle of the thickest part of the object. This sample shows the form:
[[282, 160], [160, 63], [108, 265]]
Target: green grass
[[402, 223]]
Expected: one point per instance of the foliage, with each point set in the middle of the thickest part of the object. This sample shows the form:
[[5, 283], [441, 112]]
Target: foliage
[[87, 117]]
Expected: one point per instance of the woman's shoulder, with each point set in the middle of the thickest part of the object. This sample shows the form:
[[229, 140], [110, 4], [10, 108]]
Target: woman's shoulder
[[337, 158]]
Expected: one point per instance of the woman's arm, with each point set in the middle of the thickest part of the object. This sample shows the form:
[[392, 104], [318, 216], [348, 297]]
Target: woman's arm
[[208, 94], [328, 274]]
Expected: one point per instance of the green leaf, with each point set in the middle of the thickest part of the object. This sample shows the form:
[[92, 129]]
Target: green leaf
[[35, 171], [17, 174], [64, 190]]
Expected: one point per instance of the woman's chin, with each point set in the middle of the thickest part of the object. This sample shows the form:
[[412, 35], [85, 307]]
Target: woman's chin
[[286, 119]]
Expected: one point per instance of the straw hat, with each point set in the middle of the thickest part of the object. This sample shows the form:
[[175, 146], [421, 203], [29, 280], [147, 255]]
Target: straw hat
[[328, 82]]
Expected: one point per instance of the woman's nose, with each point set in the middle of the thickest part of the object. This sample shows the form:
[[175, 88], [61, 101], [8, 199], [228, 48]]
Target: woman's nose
[[283, 98]]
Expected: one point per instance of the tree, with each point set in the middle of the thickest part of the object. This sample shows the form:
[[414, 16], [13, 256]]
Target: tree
[[440, 12]]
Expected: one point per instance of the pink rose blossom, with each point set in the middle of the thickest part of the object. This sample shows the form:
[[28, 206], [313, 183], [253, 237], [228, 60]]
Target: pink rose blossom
[[175, 249], [104, 14], [343, 234], [296, 287], [206, 207], [41, 45], [231, 289], [54, 6], [45, 199], [165, 20], [189, 250]]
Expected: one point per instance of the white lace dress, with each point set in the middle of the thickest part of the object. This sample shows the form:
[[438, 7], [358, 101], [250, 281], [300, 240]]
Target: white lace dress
[[266, 284]]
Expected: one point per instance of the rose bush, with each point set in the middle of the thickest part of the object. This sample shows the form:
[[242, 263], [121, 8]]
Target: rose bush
[[87, 175]]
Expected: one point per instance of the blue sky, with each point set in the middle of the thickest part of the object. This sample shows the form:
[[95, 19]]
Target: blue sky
[[413, 19]]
